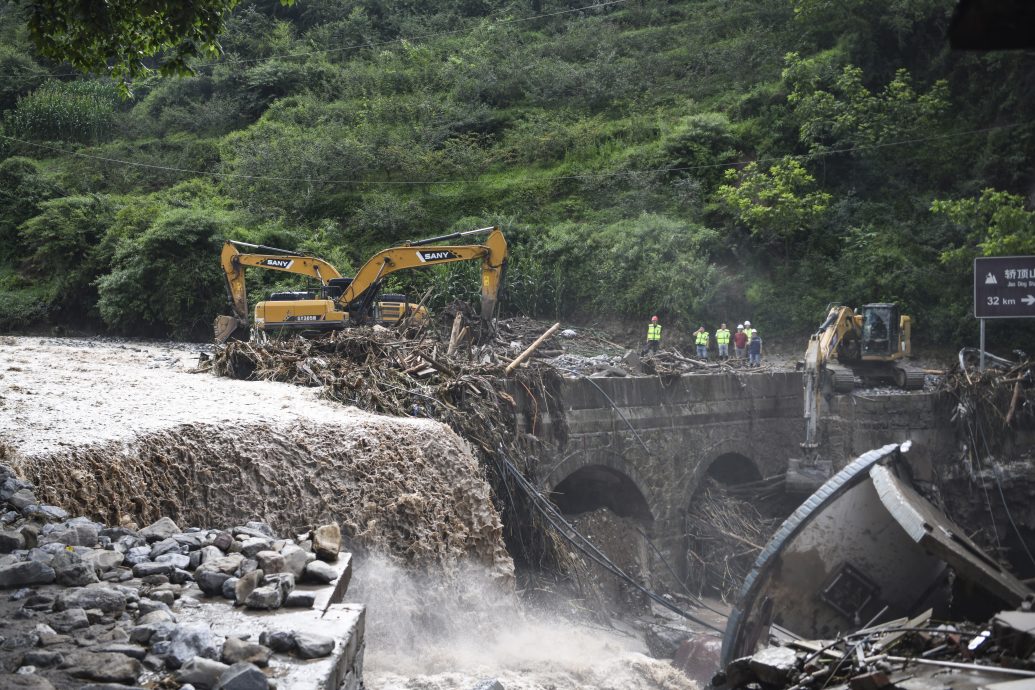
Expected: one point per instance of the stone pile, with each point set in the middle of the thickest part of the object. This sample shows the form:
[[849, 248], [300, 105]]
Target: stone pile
[[89, 603]]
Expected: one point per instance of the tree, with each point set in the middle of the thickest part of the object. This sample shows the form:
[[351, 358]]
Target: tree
[[996, 224], [122, 36], [778, 204]]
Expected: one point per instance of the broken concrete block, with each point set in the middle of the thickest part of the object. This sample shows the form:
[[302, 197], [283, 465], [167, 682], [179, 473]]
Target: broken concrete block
[[773, 666]]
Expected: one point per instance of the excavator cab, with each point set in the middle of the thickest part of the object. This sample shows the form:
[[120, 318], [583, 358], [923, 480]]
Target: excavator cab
[[880, 330]]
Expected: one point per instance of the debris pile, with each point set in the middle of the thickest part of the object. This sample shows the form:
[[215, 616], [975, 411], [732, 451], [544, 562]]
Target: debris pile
[[992, 401], [725, 533], [94, 603], [902, 653]]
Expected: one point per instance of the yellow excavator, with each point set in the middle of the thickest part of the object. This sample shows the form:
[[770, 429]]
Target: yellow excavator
[[341, 301], [869, 344]]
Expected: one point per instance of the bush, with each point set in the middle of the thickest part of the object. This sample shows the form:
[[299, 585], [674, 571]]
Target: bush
[[167, 281]]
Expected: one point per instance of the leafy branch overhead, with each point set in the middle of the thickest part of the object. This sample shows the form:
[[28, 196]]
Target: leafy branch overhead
[[129, 38]]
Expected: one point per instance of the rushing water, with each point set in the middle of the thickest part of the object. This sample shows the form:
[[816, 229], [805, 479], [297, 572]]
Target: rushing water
[[450, 630]]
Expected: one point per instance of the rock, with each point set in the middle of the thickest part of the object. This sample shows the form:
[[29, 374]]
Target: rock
[[283, 581], [30, 532], [242, 676], [225, 564], [75, 532], [663, 640], [295, 560], [163, 528], [698, 657], [179, 576], [71, 570], [327, 541], [148, 568], [26, 573], [230, 588], [246, 584], [177, 560], [146, 632], [157, 617], [236, 650], [138, 554], [250, 547], [222, 541], [208, 553], [488, 684], [42, 658], [21, 499], [200, 672], [320, 572], [160, 548], [313, 646], [271, 562], [101, 597], [210, 581], [189, 641], [164, 596], [14, 681], [19, 640], [267, 598], [103, 561], [773, 665], [147, 605], [69, 620], [131, 650], [105, 666], [279, 641], [298, 599], [260, 527], [11, 540]]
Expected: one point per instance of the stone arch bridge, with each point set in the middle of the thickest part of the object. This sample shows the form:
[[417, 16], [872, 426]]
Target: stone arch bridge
[[642, 445]]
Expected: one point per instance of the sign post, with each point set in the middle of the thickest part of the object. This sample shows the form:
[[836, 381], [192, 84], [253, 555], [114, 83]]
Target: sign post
[[1004, 288]]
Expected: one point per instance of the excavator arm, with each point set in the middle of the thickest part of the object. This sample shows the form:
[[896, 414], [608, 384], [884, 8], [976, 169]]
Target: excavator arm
[[493, 255], [840, 322], [234, 262]]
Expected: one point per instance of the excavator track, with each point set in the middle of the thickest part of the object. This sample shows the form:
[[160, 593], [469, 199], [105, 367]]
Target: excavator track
[[843, 380], [909, 379]]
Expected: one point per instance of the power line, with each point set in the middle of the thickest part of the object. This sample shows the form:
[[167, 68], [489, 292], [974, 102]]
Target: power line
[[529, 179], [357, 46]]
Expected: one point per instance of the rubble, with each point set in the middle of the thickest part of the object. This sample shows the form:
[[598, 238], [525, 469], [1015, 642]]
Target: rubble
[[84, 602], [902, 653]]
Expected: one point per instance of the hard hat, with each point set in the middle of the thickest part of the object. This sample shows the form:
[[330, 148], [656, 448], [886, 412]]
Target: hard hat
[[747, 323], [653, 318], [740, 325]]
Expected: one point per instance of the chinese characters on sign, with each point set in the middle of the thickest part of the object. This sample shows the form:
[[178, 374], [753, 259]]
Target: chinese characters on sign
[[1004, 287]]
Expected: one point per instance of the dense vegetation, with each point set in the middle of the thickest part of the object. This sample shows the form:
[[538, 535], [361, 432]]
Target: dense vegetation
[[706, 160]]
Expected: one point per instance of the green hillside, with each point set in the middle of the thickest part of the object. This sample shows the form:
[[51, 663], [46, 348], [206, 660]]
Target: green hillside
[[706, 160]]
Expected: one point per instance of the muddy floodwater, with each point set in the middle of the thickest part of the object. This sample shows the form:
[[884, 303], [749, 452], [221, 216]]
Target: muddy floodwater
[[113, 428]]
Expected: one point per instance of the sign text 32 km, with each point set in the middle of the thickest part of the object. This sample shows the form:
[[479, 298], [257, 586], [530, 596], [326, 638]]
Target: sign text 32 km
[[1004, 287]]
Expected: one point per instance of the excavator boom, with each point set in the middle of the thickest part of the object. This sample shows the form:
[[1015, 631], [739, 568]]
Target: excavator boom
[[493, 255]]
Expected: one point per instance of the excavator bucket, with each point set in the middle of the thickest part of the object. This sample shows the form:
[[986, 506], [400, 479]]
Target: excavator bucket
[[229, 327]]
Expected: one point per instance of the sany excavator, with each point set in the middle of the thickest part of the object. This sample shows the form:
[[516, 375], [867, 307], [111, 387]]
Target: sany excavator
[[343, 302], [870, 345]]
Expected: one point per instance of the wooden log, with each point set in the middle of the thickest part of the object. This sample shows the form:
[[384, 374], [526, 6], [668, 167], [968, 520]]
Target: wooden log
[[454, 335], [532, 348]]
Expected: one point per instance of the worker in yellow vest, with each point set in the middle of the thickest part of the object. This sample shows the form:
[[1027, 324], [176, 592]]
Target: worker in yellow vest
[[653, 335], [748, 330], [722, 340], [701, 337]]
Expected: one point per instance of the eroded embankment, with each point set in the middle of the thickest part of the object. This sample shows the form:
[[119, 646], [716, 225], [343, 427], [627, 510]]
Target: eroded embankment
[[407, 488]]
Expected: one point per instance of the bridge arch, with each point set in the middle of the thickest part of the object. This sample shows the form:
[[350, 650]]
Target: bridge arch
[[588, 481]]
